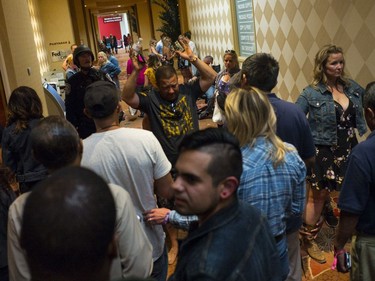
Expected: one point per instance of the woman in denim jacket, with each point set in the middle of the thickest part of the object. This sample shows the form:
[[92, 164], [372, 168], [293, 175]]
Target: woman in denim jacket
[[334, 107]]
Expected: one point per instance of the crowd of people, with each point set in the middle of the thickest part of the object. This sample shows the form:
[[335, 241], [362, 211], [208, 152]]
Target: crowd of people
[[94, 196]]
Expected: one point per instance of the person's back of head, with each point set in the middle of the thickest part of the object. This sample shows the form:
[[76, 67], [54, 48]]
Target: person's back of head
[[261, 71], [108, 52], [24, 104], [369, 105], [208, 59], [68, 227], [187, 34], [101, 99], [56, 143], [222, 146], [153, 61]]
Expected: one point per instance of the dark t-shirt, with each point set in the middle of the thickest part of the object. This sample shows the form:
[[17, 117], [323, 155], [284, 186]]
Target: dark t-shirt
[[292, 126], [170, 122], [75, 91], [358, 191]]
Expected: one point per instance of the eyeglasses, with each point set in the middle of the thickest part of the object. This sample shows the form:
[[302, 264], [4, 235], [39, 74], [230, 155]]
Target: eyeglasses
[[230, 51]]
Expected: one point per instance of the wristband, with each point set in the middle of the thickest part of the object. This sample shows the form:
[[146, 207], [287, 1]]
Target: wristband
[[336, 253], [166, 219]]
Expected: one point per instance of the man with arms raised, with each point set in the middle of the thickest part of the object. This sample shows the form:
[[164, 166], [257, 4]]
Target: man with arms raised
[[172, 107]]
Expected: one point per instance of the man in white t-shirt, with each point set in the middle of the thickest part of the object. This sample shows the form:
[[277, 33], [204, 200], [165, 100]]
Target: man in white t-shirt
[[132, 158], [187, 36], [56, 144]]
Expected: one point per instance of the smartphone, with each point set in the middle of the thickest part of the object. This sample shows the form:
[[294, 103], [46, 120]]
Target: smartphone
[[347, 260], [177, 46]]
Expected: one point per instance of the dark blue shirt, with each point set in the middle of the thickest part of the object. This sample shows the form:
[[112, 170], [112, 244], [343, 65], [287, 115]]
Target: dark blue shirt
[[292, 126], [358, 191]]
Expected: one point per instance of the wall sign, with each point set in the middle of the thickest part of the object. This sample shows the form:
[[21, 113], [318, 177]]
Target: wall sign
[[112, 19], [59, 43], [58, 55], [245, 27]]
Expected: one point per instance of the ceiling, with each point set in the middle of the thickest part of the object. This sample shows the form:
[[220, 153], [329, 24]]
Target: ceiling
[[109, 7]]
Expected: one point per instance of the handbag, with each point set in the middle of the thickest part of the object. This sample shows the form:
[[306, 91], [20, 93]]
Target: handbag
[[218, 114]]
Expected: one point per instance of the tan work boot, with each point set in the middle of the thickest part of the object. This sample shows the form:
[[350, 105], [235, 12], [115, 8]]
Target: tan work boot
[[314, 252]]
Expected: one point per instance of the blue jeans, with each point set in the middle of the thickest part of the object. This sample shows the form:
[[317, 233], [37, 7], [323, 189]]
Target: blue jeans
[[160, 270], [210, 92]]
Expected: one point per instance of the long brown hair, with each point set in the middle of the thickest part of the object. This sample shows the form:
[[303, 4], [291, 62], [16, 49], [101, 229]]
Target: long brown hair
[[24, 105]]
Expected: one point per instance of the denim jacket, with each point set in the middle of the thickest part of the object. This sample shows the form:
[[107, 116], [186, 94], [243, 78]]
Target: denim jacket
[[234, 244], [319, 104]]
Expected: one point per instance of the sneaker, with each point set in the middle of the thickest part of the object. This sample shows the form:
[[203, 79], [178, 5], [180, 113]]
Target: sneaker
[[329, 216], [314, 252]]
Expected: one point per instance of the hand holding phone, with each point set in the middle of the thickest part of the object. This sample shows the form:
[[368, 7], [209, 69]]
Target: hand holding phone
[[347, 261], [342, 261]]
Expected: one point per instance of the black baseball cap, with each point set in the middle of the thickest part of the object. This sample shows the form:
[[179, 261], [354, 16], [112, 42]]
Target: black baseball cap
[[101, 99]]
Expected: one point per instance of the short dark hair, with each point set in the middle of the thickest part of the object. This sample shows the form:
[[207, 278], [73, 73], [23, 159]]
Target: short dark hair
[[55, 142], [369, 97], [24, 104], [210, 58], [222, 146], [261, 71], [68, 224], [188, 34], [164, 72]]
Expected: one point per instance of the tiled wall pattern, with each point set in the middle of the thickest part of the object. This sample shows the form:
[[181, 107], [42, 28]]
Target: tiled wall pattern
[[211, 25], [293, 31]]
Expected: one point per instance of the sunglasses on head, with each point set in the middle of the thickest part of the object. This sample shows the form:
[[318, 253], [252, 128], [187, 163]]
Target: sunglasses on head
[[230, 51]]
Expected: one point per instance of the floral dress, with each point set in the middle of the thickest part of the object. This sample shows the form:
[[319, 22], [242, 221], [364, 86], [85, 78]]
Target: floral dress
[[331, 161]]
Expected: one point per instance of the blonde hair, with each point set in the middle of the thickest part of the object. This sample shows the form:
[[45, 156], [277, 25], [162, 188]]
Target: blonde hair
[[250, 115], [104, 55], [319, 65]]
